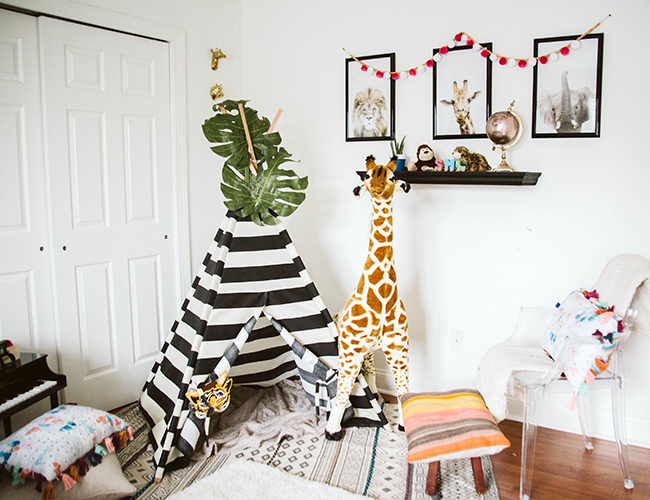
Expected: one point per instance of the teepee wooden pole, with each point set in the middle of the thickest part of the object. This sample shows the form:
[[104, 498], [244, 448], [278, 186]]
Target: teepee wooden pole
[[253, 162], [275, 121]]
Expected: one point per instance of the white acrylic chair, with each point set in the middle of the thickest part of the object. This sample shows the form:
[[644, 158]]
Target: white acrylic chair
[[521, 369]]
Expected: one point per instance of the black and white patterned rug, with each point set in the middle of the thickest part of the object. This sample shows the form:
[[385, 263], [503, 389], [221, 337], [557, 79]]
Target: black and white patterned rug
[[368, 461]]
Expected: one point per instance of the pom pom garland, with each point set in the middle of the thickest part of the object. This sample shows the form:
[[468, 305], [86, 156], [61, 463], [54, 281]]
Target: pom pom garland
[[464, 38]]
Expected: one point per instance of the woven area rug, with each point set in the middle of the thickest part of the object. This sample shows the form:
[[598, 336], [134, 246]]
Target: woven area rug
[[367, 461]]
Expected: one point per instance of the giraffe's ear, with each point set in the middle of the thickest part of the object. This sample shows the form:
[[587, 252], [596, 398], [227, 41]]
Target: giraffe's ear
[[370, 162], [392, 164]]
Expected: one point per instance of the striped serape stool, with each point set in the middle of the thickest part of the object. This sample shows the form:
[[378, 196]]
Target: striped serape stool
[[448, 425]]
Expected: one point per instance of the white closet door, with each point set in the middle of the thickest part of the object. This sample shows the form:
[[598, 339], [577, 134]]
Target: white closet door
[[26, 315], [106, 96]]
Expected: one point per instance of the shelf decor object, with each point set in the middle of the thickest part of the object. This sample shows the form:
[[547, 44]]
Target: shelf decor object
[[504, 129]]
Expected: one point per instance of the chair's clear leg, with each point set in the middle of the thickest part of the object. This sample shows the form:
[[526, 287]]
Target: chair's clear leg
[[586, 436], [620, 434], [528, 439]]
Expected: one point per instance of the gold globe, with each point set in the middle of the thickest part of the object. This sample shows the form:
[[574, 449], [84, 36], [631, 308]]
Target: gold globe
[[504, 129]]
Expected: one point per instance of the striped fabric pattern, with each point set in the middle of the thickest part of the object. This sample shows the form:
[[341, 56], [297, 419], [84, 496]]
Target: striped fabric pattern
[[446, 425], [253, 312]]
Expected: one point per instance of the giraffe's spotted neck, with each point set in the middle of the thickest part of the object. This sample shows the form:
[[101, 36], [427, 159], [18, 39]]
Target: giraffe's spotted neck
[[380, 248]]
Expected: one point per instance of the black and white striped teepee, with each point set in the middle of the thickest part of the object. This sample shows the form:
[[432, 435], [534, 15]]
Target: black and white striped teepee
[[254, 313]]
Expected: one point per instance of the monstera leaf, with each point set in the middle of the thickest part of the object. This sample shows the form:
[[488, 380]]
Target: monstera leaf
[[274, 191], [227, 130]]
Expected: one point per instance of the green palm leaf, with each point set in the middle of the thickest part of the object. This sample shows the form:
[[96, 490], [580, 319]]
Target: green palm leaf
[[227, 130], [274, 191]]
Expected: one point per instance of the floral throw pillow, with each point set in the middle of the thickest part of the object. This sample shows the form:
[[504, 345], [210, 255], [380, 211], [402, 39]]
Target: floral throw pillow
[[592, 329], [63, 444]]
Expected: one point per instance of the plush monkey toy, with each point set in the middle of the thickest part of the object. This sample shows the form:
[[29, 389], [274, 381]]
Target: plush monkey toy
[[426, 160]]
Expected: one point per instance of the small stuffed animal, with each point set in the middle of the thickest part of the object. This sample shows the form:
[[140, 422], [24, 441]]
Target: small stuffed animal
[[474, 162], [426, 160]]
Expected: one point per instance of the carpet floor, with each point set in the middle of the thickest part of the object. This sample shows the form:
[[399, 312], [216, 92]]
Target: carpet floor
[[367, 461]]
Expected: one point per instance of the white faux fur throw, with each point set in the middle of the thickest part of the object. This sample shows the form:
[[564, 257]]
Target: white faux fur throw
[[257, 416], [496, 367], [246, 480]]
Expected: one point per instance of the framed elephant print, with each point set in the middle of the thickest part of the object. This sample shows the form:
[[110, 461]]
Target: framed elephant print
[[370, 98], [567, 82], [462, 92]]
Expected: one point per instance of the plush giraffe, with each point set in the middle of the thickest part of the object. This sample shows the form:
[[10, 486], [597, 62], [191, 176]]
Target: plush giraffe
[[374, 316], [460, 103]]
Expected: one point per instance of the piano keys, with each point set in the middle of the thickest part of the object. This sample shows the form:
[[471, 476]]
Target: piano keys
[[26, 382]]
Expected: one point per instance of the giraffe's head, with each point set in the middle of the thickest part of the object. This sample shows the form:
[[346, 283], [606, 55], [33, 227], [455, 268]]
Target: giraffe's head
[[379, 180]]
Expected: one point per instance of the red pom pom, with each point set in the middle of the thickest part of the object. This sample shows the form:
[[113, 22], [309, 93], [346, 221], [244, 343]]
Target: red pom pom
[[485, 53], [564, 51], [470, 42], [364, 67], [394, 76], [458, 37], [503, 61], [444, 50], [522, 63], [379, 74], [429, 63], [413, 72], [543, 60]]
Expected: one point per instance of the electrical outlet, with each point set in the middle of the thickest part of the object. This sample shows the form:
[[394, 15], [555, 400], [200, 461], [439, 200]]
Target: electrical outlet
[[456, 342]]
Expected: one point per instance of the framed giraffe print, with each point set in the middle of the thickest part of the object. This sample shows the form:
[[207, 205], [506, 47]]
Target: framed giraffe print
[[369, 98], [462, 92], [567, 86]]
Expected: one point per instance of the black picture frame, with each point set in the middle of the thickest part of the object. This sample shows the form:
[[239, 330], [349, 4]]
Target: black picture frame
[[584, 76], [364, 87], [458, 65]]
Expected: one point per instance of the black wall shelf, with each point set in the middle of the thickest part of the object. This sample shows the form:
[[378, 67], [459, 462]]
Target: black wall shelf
[[475, 178]]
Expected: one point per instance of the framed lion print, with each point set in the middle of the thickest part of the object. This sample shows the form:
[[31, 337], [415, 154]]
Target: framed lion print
[[567, 86], [462, 93], [370, 98]]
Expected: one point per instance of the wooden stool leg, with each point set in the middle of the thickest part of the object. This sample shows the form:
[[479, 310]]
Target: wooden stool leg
[[479, 480], [432, 478]]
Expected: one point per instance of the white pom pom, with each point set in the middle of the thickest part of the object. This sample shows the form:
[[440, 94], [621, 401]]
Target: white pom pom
[[512, 63], [554, 57], [451, 44], [387, 75], [404, 75], [437, 57], [493, 57], [422, 69], [463, 38], [532, 61], [575, 45], [476, 47]]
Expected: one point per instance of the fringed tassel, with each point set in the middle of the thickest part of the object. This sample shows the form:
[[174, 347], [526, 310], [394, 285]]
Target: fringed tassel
[[122, 437], [571, 405], [74, 472], [24, 474], [16, 476], [68, 482], [48, 493], [39, 483], [100, 450], [94, 458], [82, 466], [108, 444]]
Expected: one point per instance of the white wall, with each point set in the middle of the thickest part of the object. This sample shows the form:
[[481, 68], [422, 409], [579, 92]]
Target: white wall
[[467, 256]]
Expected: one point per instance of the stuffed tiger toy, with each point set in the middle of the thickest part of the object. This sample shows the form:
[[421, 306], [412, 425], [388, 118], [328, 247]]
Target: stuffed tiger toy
[[215, 395]]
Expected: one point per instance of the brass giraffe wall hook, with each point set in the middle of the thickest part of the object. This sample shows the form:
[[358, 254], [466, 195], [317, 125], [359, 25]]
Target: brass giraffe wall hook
[[216, 92], [216, 55]]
